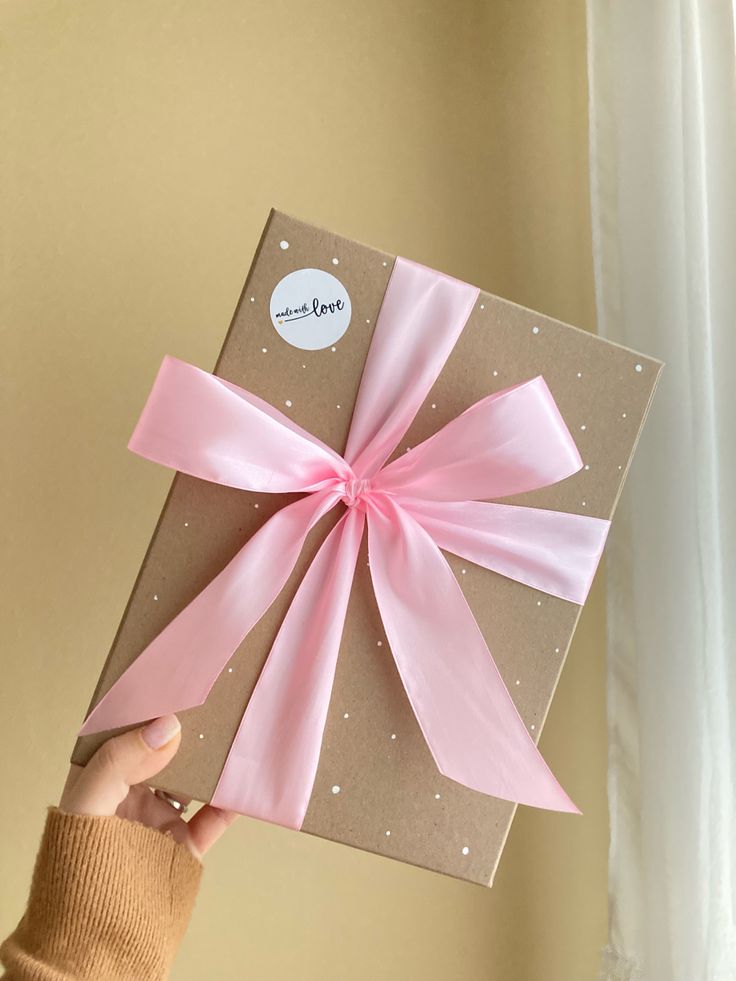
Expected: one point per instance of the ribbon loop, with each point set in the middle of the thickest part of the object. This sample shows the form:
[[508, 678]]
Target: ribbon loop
[[202, 425], [507, 443]]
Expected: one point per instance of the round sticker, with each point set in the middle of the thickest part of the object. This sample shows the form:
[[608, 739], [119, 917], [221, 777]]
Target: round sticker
[[310, 309]]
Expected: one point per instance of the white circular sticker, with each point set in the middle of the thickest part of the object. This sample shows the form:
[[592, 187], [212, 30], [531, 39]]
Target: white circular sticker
[[310, 309]]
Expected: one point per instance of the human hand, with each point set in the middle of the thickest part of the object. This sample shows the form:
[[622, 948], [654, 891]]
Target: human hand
[[113, 782]]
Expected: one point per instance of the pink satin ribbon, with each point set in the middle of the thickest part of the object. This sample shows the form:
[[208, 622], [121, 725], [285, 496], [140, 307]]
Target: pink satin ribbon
[[433, 496]]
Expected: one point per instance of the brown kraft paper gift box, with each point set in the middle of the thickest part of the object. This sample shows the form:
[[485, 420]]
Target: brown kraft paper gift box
[[391, 799]]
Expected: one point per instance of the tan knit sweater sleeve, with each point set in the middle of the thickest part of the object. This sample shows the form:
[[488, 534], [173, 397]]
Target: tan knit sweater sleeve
[[110, 900]]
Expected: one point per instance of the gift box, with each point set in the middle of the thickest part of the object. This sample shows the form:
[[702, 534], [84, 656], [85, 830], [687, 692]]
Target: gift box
[[390, 499]]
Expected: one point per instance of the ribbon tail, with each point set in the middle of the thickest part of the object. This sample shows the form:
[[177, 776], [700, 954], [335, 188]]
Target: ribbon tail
[[554, 551], [270, 769], [179, 667], [461, 703]]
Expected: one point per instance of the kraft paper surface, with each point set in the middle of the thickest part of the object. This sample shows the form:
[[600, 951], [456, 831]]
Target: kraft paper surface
[[377, 786]]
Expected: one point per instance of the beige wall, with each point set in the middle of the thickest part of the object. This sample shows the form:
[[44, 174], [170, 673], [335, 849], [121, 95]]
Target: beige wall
[[145, 144]]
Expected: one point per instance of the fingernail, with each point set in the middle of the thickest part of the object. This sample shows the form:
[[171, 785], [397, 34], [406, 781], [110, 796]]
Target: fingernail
[[161, 731]]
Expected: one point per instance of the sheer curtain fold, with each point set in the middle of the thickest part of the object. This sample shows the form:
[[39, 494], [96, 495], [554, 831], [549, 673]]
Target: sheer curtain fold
[[662, 105]]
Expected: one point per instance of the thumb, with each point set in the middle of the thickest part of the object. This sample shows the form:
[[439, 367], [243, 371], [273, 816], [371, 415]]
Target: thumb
[[121, 762]]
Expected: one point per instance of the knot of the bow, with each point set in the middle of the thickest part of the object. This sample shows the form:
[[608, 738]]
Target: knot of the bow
[[355, 491]]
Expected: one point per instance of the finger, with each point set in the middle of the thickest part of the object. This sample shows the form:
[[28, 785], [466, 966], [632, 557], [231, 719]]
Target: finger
[[119, 763], [207, 825], [72, 776]]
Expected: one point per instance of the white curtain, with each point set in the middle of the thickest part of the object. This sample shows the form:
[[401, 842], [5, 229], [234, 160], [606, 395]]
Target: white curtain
[[663, 179]]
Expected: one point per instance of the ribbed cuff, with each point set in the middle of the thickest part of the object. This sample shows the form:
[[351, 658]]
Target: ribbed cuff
[[110, 899]]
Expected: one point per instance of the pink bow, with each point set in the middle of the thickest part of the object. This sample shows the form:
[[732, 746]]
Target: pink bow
[[433, 496]]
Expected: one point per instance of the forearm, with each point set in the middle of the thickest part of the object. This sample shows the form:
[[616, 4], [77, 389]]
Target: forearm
[[110, 901]]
